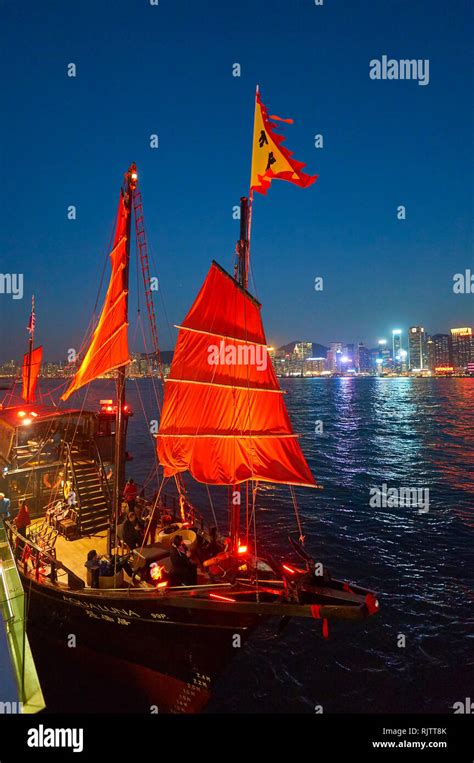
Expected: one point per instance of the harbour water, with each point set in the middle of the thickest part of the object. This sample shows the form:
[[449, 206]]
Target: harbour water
[[357, 434]]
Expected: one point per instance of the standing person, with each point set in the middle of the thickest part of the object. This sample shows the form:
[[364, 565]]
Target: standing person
[[183, 570], [132, 534], [22, 519], [4, 507], [130, 494]]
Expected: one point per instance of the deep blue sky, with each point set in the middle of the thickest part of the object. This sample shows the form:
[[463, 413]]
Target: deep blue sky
[[168, 70]]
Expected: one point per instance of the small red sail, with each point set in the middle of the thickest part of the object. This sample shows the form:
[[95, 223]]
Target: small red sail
[[223, 415], [28, 391], [109, 345]]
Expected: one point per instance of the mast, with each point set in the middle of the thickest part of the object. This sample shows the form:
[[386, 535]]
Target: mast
[[242, 276], [31, 329], [130, 181]]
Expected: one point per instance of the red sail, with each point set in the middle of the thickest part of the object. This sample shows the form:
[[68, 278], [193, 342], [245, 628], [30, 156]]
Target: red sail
[[223, 415], [28, 391], [109, 345]]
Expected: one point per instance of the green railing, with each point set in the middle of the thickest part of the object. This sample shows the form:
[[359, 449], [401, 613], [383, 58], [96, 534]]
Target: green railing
[[29, 697]]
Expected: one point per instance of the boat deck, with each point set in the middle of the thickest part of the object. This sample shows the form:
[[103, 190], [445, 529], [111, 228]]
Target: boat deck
[[73, 553]]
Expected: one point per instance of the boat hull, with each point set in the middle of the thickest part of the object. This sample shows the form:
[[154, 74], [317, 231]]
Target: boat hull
[[172, 655]]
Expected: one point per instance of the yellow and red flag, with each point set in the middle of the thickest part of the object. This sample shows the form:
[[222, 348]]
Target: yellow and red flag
[[270, 159]]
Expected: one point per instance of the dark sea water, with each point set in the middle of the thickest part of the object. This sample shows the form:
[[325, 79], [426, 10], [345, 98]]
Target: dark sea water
[[401, 432]]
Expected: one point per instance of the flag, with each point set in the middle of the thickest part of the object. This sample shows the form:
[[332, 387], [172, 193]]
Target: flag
[[270, 159], [32, 321], [30, 371]]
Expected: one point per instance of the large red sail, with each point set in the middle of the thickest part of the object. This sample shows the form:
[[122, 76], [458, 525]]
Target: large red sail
[[109, 345], [31, 371], [223, 415]]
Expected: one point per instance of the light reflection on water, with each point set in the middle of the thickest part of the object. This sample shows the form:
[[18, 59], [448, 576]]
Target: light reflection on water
[[402, 432]]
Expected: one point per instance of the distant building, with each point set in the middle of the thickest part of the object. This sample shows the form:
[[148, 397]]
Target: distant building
[[439, 351], [363, 358], [302, 350], [315, 365], [462, 343], [350, 357], [333, 357], [398, 356], [9, 368], [417, 348], [396, 344]]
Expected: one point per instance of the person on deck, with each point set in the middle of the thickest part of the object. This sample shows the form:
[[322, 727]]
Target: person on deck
[[22, 519], [93, 566], [130, 494], [183, 570], [4, 507], [132, 534]]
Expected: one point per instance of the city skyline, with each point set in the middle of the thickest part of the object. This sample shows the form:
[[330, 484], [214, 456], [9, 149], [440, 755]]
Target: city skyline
[[404, 348]]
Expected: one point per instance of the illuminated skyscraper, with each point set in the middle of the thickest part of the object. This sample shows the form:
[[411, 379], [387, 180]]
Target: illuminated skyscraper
[[396, 344], [439, 351], [462, 347], [417, 348]]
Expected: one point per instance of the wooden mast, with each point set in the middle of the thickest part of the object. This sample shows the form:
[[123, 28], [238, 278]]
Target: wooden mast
[[242, 276], [130, 182]]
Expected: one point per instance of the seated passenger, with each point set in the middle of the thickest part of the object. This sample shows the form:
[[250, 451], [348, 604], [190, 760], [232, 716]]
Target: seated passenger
[[183, 570], [93, 566]]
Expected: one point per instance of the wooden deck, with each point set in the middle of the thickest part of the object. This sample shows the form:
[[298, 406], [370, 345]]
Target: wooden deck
[[73, 553]]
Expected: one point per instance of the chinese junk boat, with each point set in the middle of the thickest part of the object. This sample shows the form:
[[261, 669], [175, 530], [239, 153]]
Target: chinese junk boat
[[223, 421]]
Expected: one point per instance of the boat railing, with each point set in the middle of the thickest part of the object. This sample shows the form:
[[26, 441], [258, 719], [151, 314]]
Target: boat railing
[[19, 678], [29, 551]]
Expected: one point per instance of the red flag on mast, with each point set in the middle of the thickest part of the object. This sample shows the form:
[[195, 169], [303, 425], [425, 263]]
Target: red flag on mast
[[28, 391], [270, 159]]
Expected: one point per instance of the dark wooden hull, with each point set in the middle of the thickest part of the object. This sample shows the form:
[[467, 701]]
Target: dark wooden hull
[[171, 655]]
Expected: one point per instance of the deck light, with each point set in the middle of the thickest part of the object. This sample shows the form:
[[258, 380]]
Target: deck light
[[21, 414], [156, 571], [242, 549], [26, 422]]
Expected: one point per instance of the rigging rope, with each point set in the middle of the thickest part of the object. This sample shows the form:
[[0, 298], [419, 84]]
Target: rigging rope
[[298, 520]]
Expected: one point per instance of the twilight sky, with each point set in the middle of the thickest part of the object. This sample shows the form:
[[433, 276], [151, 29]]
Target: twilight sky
[[167, 69]]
